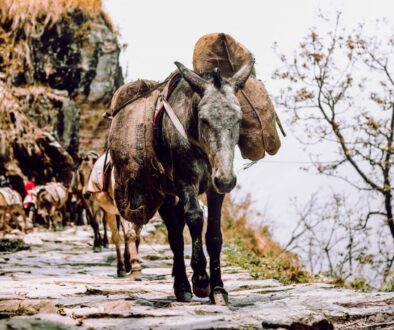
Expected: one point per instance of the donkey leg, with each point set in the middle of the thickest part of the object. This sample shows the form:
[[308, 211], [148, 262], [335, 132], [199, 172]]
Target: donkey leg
[[20, 218], [27, 220], [121, 270], [173, 219], [92, 219], [31, 215], [131, 254], [96, 230], [2, 222], [53, 218], [135, 261], [195, 219], [105, 238], [123, 224], [48, 219], [214, 241]]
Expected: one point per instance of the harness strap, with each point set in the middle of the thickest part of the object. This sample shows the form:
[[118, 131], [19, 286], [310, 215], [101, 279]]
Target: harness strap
[[178, 125], [174, 119], [162, 104], [172, 82]]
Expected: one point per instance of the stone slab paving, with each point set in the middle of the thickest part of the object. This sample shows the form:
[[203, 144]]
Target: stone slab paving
[[61, 284]]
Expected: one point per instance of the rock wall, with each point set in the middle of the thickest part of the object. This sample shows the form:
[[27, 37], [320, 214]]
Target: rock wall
[[55, 58]]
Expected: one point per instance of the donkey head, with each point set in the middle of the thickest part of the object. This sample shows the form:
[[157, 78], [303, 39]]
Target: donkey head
[[85, 168], [219, 117]]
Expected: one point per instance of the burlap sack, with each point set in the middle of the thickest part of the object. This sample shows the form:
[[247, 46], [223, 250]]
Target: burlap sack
[[137, 170], [219, 50], [11, 196], [57, 193], [258, 132], [131, 91], [97, 178]]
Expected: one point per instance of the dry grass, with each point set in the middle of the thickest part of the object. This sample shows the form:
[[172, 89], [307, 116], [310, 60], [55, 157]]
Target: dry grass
[[22, 21], [255, 250], [16, 131], [33, 16]]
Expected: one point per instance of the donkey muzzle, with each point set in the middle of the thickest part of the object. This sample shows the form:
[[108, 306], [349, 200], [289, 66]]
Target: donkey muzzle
[[224, 185]]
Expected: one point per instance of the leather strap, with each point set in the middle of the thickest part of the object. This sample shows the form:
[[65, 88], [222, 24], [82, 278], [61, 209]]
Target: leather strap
[[172, 81], [174, 119], [162, 104], [177, 123]]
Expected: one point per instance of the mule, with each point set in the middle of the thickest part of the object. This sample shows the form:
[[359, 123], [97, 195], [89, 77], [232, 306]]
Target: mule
[[100, 197], [12, 214], [51, 199], [92, 209], [210, 113]]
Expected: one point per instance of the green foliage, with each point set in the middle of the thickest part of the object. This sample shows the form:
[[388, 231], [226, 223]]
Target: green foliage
[[360, 284], [267, 266], [199, 312], [12, 245]]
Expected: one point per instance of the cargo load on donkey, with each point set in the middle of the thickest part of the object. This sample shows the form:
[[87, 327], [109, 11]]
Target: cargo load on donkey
[[137, 100], [258, 126]]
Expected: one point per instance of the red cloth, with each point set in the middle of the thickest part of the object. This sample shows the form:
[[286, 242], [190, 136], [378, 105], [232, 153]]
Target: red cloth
[[29, 185], [29, 198]]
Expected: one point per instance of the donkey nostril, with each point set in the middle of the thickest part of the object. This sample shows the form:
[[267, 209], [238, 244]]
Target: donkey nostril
[[225, 185]]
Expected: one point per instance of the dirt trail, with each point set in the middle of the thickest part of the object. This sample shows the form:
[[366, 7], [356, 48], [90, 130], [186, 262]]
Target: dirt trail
[[61, 284]]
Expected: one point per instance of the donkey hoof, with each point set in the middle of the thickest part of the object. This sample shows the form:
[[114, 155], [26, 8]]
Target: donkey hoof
[[219, 296], [97, 249], [105, 245], [122, 273], [184, 296], [201, 292], [137, 275], [201, 285]]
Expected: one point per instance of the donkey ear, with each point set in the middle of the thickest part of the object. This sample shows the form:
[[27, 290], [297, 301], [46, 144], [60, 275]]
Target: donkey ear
[[239, 78], [194, 80]]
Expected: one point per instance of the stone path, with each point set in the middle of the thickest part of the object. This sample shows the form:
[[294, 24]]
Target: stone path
[[61, 284]]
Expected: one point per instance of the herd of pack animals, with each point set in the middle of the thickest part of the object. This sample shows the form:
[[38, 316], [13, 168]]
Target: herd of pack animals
[[166, 146]]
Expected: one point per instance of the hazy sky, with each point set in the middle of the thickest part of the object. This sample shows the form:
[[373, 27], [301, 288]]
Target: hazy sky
[[157, 33]]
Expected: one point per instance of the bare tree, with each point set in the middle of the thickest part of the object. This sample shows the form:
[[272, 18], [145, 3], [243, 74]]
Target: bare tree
[[340, 91], [335, 240]]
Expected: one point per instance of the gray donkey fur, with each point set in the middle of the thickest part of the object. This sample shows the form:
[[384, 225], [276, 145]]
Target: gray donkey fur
[[211, 114]]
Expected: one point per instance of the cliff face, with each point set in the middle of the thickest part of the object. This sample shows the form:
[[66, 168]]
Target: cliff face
[[56, 58], [25, 148]]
